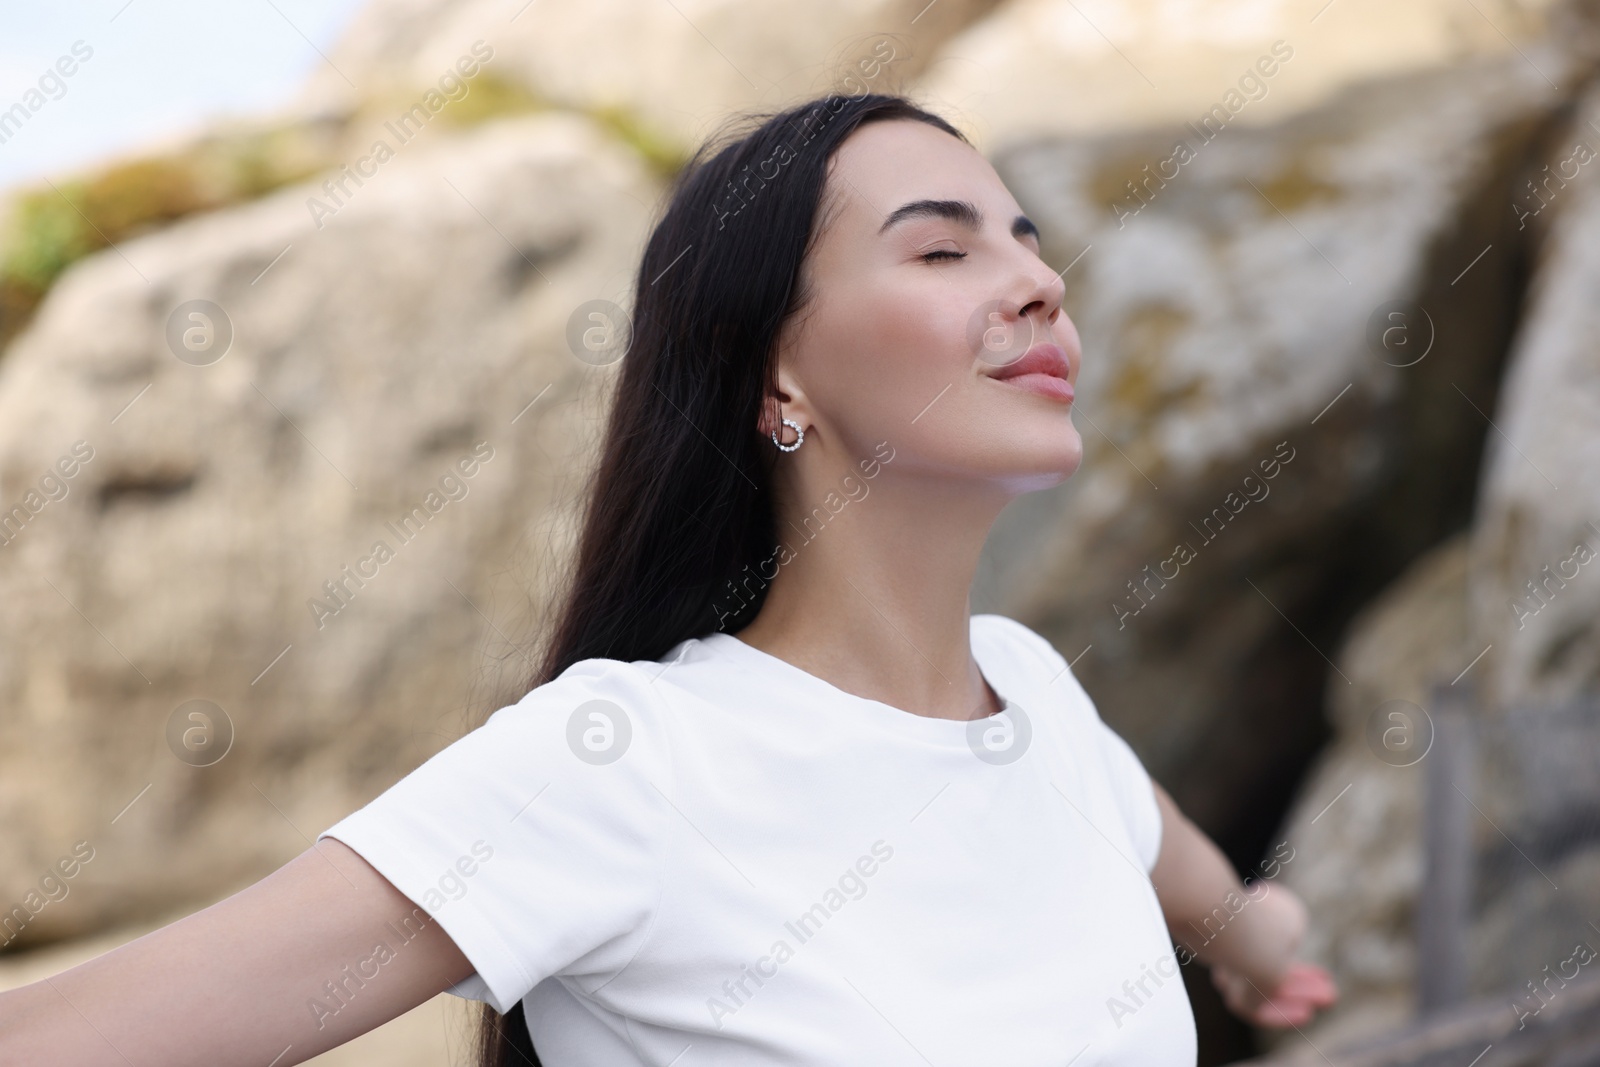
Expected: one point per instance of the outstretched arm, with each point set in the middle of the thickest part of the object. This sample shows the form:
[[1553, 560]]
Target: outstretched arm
[[241, 981], [1247, 936]]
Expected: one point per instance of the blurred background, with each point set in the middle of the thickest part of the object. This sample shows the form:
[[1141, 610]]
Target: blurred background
[[1331, 564]]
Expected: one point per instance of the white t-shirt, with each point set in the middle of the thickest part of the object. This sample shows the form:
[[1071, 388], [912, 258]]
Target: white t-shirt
[[720, 859]]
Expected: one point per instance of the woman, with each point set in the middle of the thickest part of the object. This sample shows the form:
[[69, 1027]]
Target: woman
[[776, 796]]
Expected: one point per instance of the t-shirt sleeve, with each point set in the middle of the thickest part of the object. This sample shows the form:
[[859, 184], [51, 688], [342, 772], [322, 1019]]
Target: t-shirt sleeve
[[536, 840], [1131, 785], [1135, 793]]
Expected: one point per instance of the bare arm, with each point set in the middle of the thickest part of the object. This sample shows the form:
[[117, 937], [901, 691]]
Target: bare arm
[[1248, 936], [239, 982]]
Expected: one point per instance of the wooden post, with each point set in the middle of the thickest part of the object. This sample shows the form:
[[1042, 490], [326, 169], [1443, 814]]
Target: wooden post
[[1444, 907]]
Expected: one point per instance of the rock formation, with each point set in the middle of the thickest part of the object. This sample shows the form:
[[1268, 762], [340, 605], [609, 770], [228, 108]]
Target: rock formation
[[320, 524], [1516, 599]]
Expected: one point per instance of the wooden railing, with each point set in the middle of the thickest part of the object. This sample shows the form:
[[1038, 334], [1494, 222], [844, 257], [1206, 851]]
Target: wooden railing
[[1543, 764]]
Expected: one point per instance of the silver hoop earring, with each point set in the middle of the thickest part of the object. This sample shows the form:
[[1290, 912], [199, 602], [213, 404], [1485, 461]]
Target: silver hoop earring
[[800, 435]]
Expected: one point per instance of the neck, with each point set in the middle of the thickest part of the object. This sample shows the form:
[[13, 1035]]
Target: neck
[[873, 590]]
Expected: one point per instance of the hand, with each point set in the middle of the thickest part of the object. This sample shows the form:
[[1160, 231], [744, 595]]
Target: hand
[[1303, 989], [1265, 985]]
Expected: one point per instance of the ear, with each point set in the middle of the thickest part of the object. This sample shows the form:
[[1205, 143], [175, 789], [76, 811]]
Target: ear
[[788, 402], [769, 419]]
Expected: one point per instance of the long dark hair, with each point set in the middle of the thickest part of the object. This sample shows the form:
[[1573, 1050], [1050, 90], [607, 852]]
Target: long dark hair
[[679, 512]]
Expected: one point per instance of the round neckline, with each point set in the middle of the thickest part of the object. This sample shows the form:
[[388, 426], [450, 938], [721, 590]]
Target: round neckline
[[953, 731]]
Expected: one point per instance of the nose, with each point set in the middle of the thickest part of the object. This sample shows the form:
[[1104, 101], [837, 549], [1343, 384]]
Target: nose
[[1043, 291], [1035, 296]]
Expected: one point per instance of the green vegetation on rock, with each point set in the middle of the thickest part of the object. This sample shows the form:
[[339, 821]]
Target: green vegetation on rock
[[53, 224]]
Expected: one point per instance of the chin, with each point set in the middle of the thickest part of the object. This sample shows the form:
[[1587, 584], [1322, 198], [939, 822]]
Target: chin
[[1033, 483], [1010, 453], [1044, 466]]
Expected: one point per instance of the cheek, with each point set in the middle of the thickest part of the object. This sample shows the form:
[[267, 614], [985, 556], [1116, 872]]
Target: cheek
[[880, 357]]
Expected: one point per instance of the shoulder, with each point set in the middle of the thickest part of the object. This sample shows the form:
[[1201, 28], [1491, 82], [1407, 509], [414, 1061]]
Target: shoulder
[[1013, 633], [1032, 652], [1124, 782], [628, 684], [603, 711]]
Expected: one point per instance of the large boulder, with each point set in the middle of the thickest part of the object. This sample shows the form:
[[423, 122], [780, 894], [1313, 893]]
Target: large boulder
[[1539, 515], [1510, 610], [193, 520], [1535, 595], [679, 69], [1038, 68]]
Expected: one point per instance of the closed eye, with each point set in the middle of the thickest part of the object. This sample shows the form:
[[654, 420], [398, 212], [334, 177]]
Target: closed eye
[[942, 253]]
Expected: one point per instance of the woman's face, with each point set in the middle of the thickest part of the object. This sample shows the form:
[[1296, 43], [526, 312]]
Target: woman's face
[[926, 290]]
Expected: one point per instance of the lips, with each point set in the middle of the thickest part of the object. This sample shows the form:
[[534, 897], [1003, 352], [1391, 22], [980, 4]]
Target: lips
[[1042, 369], [1042, 358]]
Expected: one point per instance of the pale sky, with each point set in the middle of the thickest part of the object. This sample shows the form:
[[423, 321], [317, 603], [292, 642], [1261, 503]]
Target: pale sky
[[158, 67]]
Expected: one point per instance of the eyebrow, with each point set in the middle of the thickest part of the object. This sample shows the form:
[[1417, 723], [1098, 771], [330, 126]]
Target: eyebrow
[[960, 212]]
